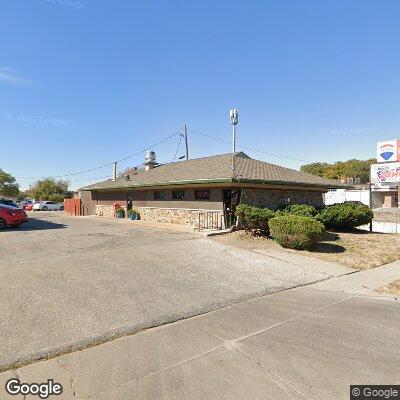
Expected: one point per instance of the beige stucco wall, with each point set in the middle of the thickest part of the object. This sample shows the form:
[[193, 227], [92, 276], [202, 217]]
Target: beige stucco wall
[[145, 198]]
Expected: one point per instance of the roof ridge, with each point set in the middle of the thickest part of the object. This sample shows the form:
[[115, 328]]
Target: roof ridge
[[217, 167], [237, 154]]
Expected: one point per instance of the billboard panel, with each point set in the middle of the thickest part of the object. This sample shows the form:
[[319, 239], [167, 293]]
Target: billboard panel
[[388, 151], [389, 173]]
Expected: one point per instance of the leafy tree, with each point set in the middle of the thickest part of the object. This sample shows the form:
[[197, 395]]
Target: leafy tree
[[316, 168], [50, 189], [341, 170], [8, 185]]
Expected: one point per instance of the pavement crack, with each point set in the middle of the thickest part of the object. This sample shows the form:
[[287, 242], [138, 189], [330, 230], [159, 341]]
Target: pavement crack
[[293, 319], [231, 345], [211, 334], [268, 371], [186, 360], [71, 377], [394, 312], [19, 377]]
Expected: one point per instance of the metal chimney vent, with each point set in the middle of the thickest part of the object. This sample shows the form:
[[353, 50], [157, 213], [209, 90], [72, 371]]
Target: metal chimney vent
[[150, 161]]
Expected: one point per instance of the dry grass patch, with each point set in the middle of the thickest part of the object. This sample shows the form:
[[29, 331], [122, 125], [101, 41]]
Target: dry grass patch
[[392, 288], [358, 250]]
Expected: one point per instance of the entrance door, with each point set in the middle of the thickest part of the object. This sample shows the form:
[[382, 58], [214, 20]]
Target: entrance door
[[129, 200], [395, 199], [230, 198]]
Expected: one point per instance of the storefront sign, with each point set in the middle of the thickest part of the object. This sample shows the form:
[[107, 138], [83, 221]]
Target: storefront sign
[[388, 151], [389, 173]]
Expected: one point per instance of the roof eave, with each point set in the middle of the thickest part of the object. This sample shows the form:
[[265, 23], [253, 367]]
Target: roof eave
[[169, 183], [213, 181], [293, 183]]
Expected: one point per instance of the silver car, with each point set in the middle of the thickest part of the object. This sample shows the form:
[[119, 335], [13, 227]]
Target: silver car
[[48, 206]]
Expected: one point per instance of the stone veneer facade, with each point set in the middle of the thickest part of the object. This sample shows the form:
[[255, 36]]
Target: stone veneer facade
[[171, 215], [260, 197], [105, 210], [168, 215], [272, 198]]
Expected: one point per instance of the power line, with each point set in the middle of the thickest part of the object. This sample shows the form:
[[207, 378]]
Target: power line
[[72, 180], [248, 148], [150, 147], [179, 143], [105, 165]]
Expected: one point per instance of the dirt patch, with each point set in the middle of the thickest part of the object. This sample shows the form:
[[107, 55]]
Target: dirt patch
[[358, 250], [392, 288]]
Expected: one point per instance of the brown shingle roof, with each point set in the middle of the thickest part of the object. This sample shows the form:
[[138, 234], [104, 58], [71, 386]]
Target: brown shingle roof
[[216, 169]]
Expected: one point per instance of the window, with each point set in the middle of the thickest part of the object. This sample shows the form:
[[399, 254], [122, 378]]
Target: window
[[159, 195], [178, 195], [202, 194]]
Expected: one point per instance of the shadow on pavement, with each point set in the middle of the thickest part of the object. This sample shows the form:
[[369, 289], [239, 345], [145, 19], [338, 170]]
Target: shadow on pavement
[[35, 225]]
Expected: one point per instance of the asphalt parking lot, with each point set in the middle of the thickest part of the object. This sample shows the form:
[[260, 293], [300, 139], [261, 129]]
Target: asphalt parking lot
[[69, 283]]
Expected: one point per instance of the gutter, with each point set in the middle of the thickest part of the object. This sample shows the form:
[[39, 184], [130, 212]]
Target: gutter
[[291, 183], [215, 181], [169, 183]]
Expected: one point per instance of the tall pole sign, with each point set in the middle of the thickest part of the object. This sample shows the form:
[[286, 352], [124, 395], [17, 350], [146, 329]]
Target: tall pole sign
[[387, 169]]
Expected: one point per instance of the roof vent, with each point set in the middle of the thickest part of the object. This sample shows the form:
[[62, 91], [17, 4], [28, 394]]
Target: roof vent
[[150, 161]]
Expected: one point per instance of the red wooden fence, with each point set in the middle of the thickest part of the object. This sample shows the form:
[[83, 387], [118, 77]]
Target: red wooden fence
[[73, 207]]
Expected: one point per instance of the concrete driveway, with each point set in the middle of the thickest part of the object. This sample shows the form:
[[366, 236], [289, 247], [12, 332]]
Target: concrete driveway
[[68, 283]]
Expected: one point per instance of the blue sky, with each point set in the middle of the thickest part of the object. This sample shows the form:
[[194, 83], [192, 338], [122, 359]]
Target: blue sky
[[83, 83]]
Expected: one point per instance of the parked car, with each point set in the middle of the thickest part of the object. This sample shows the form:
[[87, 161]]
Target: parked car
[[8, 203], [11, 216], [23, 203], [48, 206], [28, 207]]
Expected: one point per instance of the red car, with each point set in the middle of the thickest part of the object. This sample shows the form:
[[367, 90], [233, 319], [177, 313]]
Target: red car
[[28, 207], [11, 216]]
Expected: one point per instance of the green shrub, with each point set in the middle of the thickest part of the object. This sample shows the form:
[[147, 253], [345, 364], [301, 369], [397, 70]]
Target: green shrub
[[296, 231], [120, 213], [131, 211], [132, 214], [301, 209], [345, 216], [254, 218]]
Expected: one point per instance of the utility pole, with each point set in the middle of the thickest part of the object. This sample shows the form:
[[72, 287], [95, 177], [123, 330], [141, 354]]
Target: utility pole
[[234, 116], [186, 143]]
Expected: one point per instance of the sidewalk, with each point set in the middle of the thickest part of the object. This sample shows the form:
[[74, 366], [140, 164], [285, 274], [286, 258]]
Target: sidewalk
[[364, 282], [310, 342], [311, 263]]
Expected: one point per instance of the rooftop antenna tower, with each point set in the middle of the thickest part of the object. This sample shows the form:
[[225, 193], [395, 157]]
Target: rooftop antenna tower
[[234, 117]]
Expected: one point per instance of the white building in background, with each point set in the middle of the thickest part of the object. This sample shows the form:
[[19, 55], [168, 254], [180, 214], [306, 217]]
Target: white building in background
[[385, 179], [382, 196]]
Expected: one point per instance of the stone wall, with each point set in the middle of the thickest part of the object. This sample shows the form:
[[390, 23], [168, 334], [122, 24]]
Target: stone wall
[[168, 215], [272, 198], [105, 210]]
